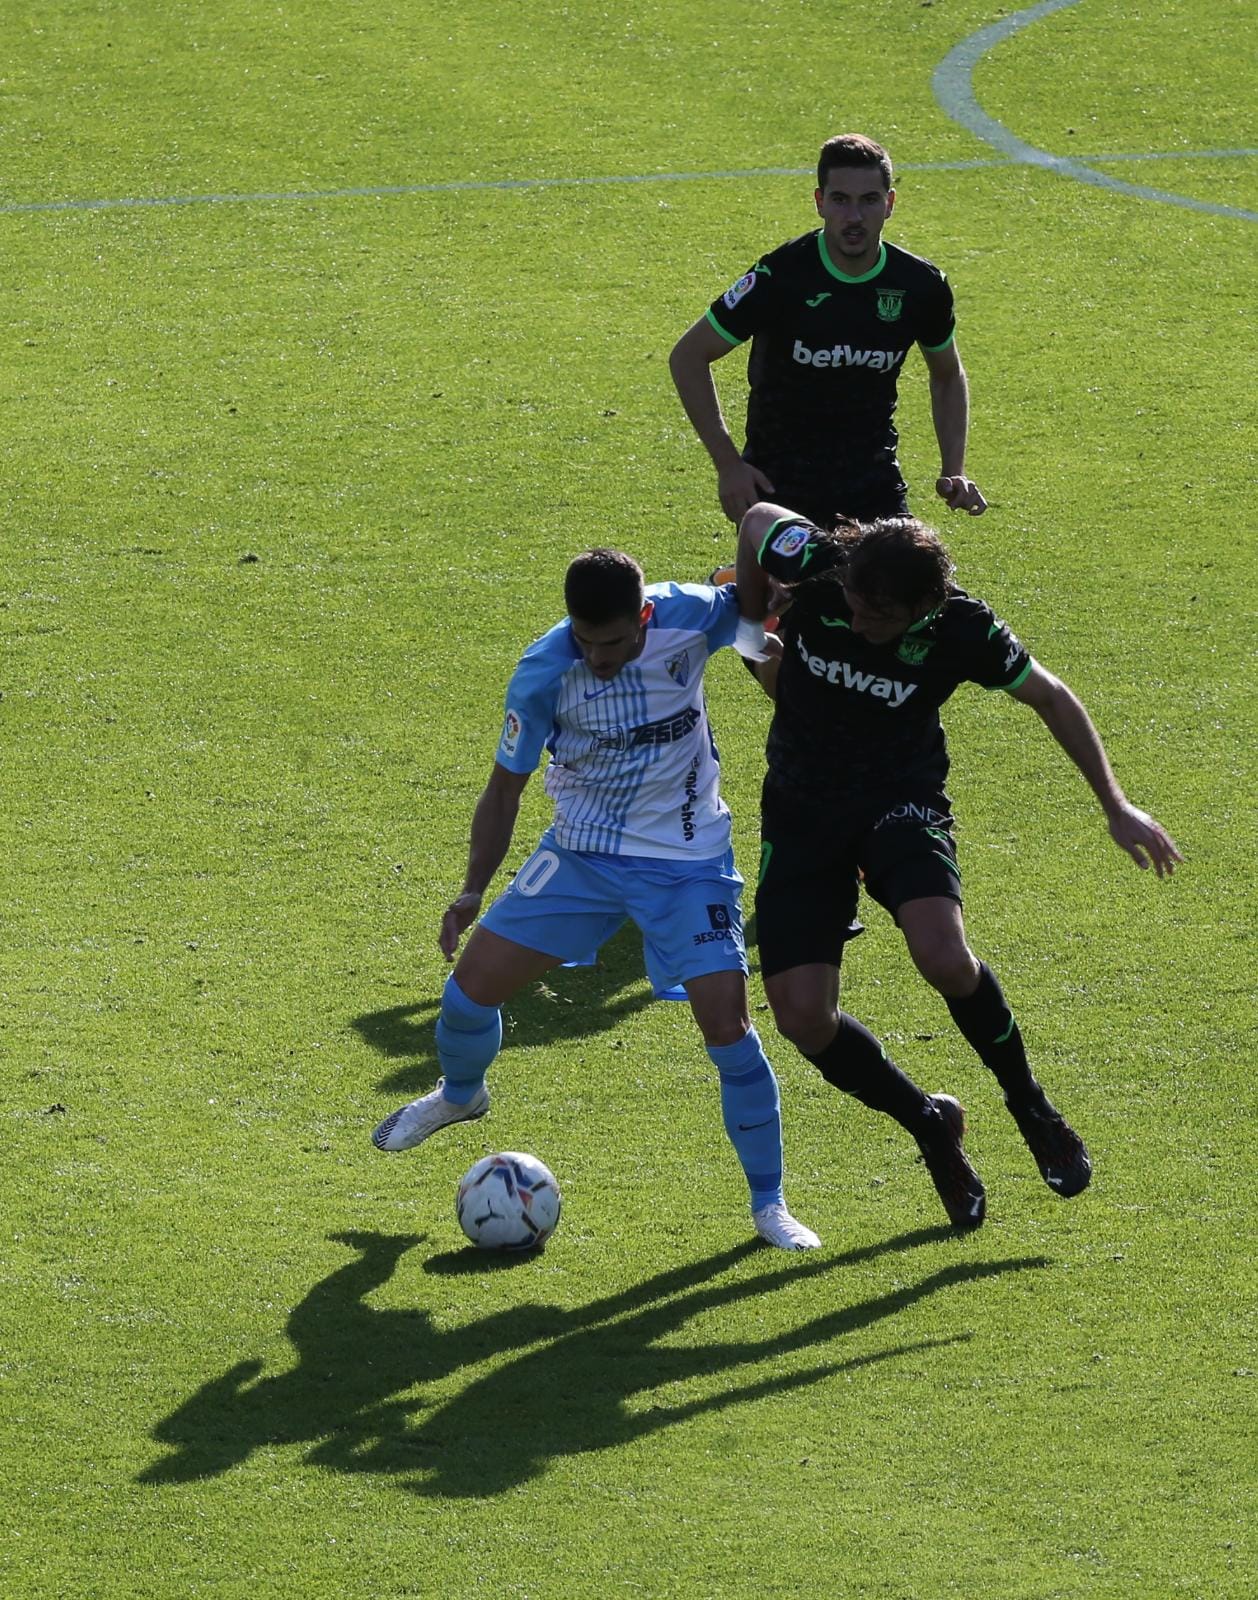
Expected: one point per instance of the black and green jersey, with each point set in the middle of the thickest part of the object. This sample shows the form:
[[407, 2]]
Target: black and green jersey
[[855, 720], [826, 352]]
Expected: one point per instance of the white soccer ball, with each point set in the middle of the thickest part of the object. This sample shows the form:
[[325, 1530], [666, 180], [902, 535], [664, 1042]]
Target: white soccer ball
[[508, 1202]]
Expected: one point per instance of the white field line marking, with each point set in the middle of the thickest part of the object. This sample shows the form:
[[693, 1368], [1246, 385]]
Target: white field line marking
[[465, 186], [954, 90]]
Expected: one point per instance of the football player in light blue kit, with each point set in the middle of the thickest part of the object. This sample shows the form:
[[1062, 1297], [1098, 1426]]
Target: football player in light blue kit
[[615, 694]]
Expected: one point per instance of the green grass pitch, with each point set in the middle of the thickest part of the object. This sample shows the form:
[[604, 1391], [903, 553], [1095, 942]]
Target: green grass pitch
[[287, 484]]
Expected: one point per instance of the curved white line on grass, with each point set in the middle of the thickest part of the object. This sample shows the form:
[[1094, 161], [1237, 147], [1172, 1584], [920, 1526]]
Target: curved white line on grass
[[463, 186], [954, 89]]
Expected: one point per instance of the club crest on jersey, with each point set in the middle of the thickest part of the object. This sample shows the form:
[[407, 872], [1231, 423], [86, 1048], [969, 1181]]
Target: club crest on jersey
[[789, 542], [737, 290], [914, 651], [678, 668], [890, 304], [512, 727]]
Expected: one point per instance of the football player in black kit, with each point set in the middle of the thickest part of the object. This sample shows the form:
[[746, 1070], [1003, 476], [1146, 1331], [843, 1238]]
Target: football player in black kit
[[874, 638], [832, 316]]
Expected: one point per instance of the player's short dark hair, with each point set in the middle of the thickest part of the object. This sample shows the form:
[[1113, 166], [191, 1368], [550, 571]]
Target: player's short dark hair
[[604, 585], [853, 150], [895, 562]]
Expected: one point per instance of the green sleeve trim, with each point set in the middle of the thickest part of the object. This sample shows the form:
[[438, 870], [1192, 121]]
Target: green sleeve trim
[[1019, 680], [723, 333], [936, 348], [764, 543], [846, 277]]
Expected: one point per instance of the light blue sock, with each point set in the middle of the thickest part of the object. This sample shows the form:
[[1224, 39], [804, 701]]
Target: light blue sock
[[469, 1036], [753, 1114]]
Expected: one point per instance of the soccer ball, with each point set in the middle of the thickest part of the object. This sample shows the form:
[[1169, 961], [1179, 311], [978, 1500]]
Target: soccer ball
[[508, 1202]]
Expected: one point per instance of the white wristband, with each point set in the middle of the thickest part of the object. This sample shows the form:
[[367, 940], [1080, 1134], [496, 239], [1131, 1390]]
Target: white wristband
[[749, 640]]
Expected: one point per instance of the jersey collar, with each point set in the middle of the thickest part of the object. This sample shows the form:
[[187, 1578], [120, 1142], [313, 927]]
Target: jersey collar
[[845, 277], [923, 622]]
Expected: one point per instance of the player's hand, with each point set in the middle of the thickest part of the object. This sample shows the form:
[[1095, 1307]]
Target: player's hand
[[961, 494], [739, 487], [460, 914], [1145, 840]]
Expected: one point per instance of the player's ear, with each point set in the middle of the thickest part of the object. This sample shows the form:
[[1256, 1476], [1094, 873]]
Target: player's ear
[[816, 200], [890, 201], [647, 612]]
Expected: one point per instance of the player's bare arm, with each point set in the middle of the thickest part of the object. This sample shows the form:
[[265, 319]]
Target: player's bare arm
[[739, 484], [950, 409], [1144, 839], [757, 592], [493, 823]]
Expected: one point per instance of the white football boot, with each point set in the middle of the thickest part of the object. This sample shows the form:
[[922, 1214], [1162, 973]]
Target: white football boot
[[411, 1124], [776, 1226]]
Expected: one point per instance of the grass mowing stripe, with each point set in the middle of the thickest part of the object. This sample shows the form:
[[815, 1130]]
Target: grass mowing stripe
[[384, 191]]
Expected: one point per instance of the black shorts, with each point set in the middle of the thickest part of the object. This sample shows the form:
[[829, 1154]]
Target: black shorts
[[813, 862], [876, 490]]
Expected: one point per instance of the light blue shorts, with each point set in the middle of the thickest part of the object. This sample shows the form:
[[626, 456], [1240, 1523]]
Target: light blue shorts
[[567, 903]]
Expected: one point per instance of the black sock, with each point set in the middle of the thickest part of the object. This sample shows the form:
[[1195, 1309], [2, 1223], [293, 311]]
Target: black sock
[[986, 1021], [855, 1062]]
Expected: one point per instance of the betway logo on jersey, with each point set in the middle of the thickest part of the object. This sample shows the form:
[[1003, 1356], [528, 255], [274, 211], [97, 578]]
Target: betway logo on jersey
[[891, 690], [842, 355]]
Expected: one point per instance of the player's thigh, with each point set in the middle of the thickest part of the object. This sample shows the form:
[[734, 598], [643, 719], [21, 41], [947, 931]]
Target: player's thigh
[[807, 890], [492, 968], [560, 903], [910, 854], [691, 919]]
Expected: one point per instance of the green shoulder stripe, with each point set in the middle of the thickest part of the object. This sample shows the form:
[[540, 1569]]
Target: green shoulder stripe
[[724, 333]]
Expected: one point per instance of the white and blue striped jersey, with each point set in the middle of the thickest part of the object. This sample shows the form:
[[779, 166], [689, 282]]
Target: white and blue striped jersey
[[633, 767]]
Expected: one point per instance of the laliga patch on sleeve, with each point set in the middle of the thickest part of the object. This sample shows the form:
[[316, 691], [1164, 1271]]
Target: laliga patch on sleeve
[[790, 541], [512, 727], [736, 291]]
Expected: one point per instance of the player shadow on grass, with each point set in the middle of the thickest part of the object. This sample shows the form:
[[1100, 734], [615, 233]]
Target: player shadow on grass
[[571, 1003], [568, 1388]]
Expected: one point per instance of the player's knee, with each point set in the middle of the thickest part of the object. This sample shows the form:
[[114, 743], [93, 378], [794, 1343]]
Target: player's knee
[[948, 965], [718, 1033], [808, 1026]]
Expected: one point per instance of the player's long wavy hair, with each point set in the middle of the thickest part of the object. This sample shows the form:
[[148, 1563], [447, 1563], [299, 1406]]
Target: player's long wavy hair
[[892, 562]]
